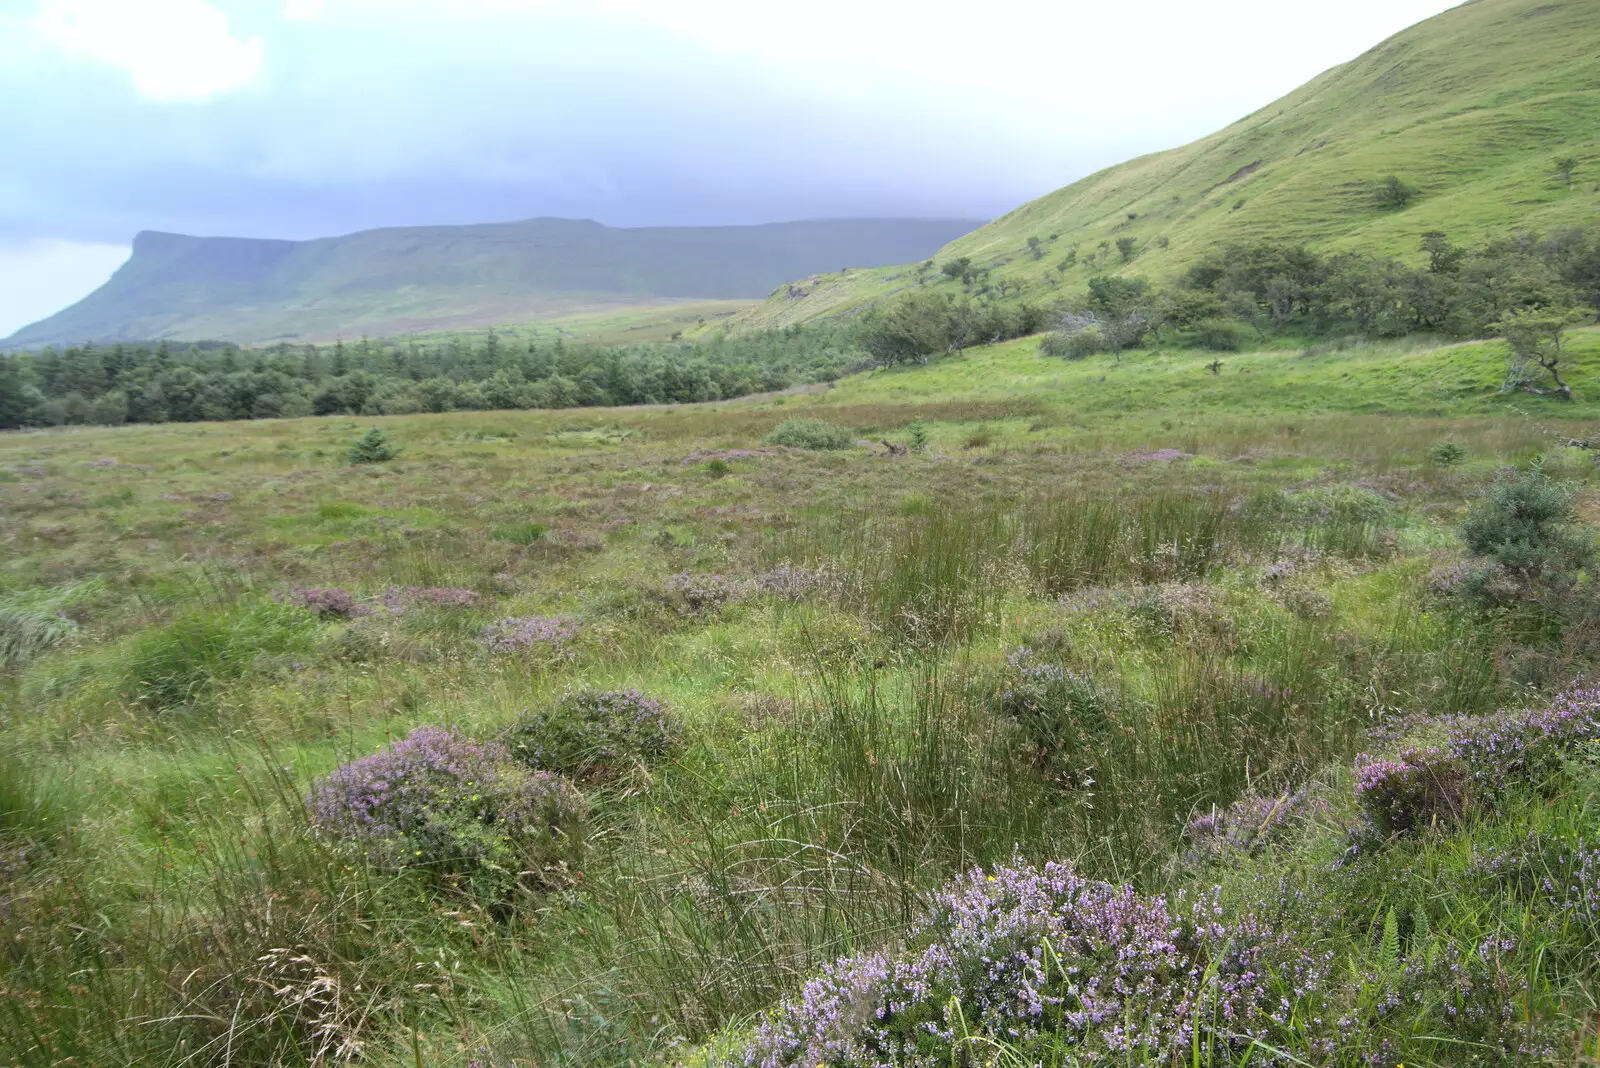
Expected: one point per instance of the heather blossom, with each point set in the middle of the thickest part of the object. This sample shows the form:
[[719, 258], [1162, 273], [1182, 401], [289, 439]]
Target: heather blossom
[[553, 635], [1043, 959], [455, 807]]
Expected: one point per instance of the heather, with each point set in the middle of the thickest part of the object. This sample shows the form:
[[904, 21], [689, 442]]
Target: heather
[[454, 808], [308, 762]]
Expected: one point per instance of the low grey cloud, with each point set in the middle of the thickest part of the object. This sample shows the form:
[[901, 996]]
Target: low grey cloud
[[313, 117]]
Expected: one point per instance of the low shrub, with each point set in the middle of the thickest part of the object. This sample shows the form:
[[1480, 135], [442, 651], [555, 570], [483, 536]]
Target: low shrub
[[594, 734], [1448, 454], [1525, 532], [692, 594], [460, 810], [1251, 825], [327, 602], [815, 434], [1061, 714], [1073, 345]]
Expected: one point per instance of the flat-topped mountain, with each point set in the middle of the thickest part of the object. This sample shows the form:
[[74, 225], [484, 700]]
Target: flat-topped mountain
[[443, 277]]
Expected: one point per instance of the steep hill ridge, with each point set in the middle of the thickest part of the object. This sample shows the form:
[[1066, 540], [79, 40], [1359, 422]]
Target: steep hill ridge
[[428, 278], [1472, 107]]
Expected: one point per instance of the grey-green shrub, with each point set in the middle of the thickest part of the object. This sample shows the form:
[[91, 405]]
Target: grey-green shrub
[[594, 734]]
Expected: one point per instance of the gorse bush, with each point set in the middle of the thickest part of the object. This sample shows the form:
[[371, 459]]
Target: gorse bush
[[462, 811], [814, 434], [595, 734]]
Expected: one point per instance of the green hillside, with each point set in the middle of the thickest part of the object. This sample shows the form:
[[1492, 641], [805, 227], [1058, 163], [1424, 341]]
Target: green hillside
[[1472, 107], [392, 281]]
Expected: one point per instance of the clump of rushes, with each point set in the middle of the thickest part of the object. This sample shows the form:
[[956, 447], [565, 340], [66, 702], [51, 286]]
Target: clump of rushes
[[462, 811], [1049, 963], [594, 734], [814, 434]]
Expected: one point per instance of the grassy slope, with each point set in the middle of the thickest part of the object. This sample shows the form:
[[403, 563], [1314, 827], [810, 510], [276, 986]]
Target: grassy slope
[[1471, 106], [408, 279]]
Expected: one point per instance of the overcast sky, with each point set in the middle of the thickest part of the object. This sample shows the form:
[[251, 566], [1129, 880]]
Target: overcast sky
[[303, 118]]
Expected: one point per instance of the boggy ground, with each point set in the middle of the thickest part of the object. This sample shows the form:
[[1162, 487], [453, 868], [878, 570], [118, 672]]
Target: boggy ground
[[1062, 633]]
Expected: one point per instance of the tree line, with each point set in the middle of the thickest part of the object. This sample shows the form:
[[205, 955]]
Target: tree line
[[1526, 288], [162, 382]]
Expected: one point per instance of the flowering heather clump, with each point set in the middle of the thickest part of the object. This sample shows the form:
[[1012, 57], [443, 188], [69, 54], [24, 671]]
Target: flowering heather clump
[[1044, 960], [1524, 747], [399, 598], [327, 602], [552, 636], [793, 582], [694, 594], [455, 807], [1423, 787], [593, 732], [1250, 824]]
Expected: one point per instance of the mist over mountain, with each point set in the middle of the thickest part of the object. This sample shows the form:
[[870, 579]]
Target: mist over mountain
[[401, 280]]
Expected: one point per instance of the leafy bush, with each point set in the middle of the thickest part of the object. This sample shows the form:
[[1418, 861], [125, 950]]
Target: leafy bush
[[593, 733], [813, 434], [1219, 335], [463, 811], [1046, 962], [373, 447]]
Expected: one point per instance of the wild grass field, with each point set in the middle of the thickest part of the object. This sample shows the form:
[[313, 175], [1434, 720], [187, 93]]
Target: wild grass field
[[699, 716]]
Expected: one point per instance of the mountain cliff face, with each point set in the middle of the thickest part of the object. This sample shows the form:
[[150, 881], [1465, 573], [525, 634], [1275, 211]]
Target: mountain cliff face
[[398, 280], [1472, 107]]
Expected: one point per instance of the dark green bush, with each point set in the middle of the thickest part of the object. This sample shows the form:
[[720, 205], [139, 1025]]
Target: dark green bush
[[373, 447], [1525, 529], [1219, 335]]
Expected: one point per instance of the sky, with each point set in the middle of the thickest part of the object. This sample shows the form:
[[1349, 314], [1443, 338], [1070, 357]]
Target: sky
[[306, 118]]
